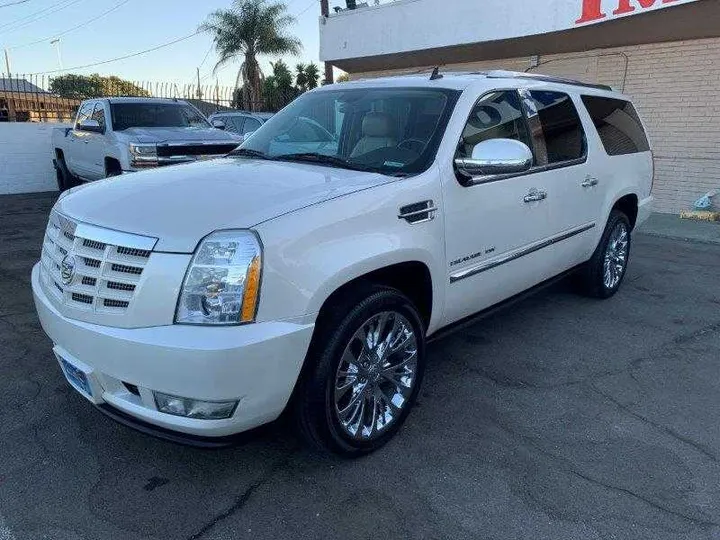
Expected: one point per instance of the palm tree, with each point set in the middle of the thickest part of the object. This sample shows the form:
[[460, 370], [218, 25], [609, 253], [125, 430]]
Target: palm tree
[[301, 80], [248, 29], [312, 74]]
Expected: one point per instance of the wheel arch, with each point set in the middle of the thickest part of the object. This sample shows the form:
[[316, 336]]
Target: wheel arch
[[112, 164], [629, 205], [412, 277]]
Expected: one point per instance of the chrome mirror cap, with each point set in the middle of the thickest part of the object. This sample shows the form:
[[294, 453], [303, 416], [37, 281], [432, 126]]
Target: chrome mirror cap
[[90, 125], [496, 157]]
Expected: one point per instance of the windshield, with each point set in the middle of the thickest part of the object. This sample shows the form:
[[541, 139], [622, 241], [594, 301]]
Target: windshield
[[394, 131], [155, 115]]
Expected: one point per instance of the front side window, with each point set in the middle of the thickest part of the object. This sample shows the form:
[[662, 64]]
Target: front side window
[[155, 115], [99, 114], [394, 131], [497, 115], [618, 125], [564, 138], [85, 112]]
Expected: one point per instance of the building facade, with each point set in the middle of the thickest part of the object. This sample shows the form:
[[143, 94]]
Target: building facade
[[663, 53]]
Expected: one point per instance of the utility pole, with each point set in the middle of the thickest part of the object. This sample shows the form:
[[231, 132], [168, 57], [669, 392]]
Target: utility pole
[[7, 64], [325, 12], [56, 42], [199, 92]]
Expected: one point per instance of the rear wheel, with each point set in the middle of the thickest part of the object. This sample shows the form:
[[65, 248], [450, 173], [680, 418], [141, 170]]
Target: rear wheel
[[604, 272], [65, 179], [368, 361]]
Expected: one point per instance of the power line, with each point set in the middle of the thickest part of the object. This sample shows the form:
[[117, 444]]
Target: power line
[[311, 4], [132, 55], [14, 3], [64, 32], [36, 16], [207, 54]]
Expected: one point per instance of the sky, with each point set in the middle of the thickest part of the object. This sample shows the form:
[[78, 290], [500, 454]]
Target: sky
[[132, 26]]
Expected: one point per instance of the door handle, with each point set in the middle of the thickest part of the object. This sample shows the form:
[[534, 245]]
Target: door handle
[[535, 196], [590, 182]]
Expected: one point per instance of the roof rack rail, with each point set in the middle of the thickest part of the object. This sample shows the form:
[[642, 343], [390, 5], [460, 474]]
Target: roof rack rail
[[502, 74]]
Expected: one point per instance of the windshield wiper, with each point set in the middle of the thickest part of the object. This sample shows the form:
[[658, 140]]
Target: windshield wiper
[[247, 152], [324, 159]]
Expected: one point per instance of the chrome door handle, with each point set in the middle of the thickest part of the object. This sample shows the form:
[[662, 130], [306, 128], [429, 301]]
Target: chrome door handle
[[535, 196], [590, 182]]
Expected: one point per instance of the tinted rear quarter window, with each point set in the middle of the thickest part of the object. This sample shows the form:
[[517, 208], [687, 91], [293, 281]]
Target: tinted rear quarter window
[[618, 125], [561, 126]]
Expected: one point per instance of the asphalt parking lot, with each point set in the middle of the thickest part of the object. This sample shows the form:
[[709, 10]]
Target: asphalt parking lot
[[562, 417]]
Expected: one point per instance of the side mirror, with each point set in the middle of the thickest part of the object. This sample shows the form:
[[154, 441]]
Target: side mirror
[[247, 135], [218, 124], [90, 125], [496, 157]]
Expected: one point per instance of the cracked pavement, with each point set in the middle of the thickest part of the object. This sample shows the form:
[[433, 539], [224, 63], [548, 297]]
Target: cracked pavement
[[561, 417]]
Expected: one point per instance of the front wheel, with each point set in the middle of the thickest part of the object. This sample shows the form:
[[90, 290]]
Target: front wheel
[[604, 272], [366, 369]]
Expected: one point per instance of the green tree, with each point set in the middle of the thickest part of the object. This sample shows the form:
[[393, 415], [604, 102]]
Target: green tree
[[312, 74], [90, 86], [301, 80], [251, 28], [278, 89]]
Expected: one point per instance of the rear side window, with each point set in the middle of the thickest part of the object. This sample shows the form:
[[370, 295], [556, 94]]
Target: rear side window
[[250, 125], [561, 126], [618, 125]]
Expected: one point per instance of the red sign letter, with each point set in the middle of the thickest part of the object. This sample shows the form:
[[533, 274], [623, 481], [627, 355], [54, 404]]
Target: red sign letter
[[624, 6], [592, 11]]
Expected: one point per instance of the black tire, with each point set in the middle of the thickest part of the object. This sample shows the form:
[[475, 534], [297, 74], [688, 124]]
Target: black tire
[[314, 405], [65, 178], [593, 278]]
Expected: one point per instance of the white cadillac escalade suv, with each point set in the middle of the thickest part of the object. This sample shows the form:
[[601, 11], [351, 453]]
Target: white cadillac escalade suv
[[306, 270]]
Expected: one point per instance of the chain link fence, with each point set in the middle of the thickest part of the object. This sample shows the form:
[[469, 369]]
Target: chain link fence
[[34, 98]]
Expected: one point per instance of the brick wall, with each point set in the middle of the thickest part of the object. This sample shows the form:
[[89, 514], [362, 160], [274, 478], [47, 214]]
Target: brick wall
[[676, 87]]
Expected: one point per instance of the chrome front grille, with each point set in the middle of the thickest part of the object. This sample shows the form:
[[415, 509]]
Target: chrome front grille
[[90, 268]]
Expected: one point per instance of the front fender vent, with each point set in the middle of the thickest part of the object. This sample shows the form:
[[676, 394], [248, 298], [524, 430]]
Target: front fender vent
[[419, 212]]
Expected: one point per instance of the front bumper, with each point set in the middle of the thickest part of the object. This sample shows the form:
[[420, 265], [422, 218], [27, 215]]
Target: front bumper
[[257, 364]]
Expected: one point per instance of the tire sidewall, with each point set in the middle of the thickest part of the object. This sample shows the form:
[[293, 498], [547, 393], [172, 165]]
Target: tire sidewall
[[615, 218], [323, 386]]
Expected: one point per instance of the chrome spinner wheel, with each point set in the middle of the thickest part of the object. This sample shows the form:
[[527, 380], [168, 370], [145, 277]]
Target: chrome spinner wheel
[[376, 375], [616, 256]]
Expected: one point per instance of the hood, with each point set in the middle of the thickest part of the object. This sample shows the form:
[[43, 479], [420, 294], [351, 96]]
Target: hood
[[177, 134], [181, 204]]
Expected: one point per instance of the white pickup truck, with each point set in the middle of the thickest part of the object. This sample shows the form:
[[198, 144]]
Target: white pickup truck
[[306, 271], [112, 136]]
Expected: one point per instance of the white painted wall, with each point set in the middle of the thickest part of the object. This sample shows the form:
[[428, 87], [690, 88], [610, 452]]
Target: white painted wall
[[411, 25], [26, 157]]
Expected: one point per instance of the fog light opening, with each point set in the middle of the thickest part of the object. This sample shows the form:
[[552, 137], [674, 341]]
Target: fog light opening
[[194, 408]]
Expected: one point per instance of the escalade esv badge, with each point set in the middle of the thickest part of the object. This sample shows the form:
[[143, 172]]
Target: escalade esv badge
[[67, 269]]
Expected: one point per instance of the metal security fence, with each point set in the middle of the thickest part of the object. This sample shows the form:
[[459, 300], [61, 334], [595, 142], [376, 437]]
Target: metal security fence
[[32, 98]]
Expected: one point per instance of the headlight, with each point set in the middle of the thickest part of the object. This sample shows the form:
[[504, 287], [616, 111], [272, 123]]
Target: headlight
[[143, 155], [222, 284]]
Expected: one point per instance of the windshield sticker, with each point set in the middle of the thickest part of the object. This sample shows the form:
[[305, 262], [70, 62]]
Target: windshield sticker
[[394, 164]]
